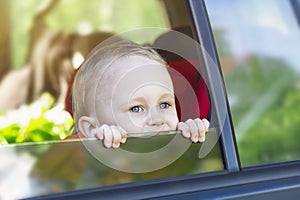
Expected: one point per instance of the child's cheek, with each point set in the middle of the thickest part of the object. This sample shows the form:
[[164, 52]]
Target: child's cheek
[[172, 119], [134, 122]]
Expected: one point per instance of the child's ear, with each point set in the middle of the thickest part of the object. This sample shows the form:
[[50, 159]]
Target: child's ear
[[86, 125]]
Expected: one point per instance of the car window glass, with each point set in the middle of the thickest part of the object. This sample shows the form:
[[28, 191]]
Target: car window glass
[[33, 169], [257, 43], [32, 131]]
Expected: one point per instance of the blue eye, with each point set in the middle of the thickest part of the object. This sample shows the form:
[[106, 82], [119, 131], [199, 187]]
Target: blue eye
[[136, 109], [164, 105]]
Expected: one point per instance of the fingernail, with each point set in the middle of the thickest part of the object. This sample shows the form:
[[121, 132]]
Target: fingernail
[[123, 140], [116, 145], [195, 139], [202, 139]]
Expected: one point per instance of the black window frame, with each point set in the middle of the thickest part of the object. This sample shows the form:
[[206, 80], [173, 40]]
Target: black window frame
[[203, 30], [296, 6]]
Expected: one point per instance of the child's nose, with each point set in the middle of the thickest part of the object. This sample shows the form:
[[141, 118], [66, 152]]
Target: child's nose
[[156, 116]]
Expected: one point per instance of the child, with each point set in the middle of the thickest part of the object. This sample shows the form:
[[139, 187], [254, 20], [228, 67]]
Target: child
[[126, 88]]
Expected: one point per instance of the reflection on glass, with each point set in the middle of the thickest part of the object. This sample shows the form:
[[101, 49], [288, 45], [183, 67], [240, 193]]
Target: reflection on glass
[[33, 169], [258, 45], [43, 42]]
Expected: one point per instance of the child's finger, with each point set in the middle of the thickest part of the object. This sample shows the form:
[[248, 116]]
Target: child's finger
[[206, 124], [123, 135], [100, 133], [185, 130], [107, 136], [116, 136], [193, 129], [201, 130]]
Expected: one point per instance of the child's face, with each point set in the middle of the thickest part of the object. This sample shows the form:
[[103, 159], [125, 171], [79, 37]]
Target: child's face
[[137, 94]]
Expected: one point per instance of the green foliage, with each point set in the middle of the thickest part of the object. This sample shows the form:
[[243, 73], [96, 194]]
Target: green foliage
[[259, 82], [22, 13], [39, 121], [265, 107], [73, 16], [275, 137]]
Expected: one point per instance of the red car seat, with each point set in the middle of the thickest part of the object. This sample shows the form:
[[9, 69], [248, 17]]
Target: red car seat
[[192, 99]]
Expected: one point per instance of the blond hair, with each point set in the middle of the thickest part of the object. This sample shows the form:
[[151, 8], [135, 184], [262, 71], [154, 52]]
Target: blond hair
[[100, 58]]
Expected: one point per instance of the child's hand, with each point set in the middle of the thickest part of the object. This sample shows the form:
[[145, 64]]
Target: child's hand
[[112, 136], [194, 129]]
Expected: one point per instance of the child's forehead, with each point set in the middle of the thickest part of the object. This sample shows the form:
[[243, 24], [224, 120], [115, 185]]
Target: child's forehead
[[133, 66], [134, 71]]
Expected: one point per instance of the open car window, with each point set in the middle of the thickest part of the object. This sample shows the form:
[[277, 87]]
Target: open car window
[[37, 158]]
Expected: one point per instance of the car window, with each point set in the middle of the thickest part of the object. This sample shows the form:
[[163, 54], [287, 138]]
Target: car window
[[34, 124], [257, 43]]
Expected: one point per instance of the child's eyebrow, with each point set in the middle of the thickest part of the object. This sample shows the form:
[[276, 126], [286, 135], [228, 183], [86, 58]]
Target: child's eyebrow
[[167, 95], [137, 99]]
